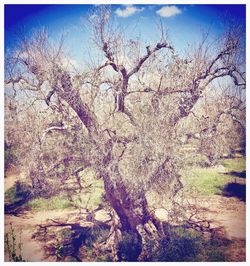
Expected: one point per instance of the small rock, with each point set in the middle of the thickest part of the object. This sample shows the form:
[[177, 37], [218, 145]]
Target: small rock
[[161, 214], [102, 216]]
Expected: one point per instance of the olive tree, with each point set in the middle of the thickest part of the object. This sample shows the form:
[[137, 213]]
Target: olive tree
[[120, 116]]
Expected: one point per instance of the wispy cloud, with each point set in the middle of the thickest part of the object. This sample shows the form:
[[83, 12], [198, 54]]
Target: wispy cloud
[[128, 11], [169, 11]]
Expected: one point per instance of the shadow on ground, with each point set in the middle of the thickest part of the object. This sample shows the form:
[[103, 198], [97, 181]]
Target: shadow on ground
[[77, 242], [241, 174], [234, 189], [16, 197], [71, 241]]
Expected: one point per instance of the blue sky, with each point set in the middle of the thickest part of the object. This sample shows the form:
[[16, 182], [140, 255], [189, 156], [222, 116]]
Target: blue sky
[[184, 22]]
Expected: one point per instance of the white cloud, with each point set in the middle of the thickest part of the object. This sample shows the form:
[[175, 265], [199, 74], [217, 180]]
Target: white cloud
[[128, 11], [169, 11]]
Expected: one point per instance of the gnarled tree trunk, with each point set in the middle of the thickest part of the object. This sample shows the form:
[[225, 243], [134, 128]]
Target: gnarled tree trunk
[[134, 215], [133, 211]]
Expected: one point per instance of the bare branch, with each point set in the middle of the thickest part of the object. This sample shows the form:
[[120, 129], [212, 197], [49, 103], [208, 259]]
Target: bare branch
[[158, 47], [50, 129]]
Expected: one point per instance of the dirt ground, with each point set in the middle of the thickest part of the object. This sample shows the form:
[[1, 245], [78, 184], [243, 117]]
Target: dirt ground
[[227, 213]]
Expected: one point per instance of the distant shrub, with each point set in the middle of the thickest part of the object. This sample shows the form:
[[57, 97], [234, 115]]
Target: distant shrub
[[10, 157], [17, 195]]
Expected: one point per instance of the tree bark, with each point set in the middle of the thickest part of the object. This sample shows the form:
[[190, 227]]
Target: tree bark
[[134, 218], [132, 208]]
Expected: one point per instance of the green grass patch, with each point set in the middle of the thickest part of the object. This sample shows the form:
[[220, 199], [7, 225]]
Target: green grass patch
[[19, 192], [209, 181], [236, 164], [10, 195], [53, 203], [206, 181], [89, 199]]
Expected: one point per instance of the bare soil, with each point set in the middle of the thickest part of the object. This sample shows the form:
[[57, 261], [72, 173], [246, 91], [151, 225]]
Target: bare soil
[[28, 223]]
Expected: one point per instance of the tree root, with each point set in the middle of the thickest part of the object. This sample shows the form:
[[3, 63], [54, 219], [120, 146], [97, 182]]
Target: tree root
[[110, 244], [147, 232]]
